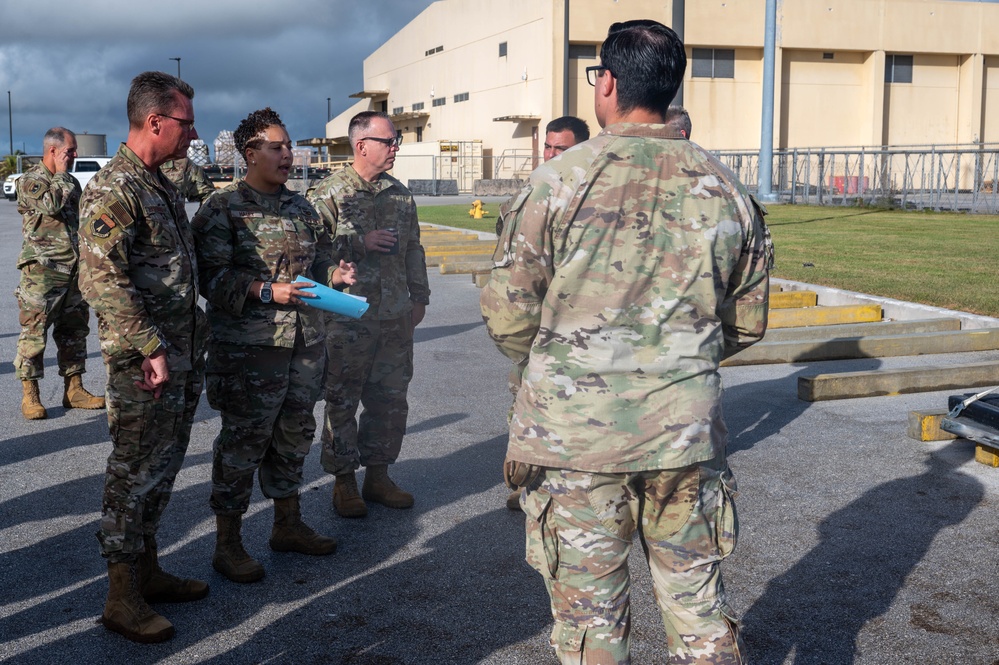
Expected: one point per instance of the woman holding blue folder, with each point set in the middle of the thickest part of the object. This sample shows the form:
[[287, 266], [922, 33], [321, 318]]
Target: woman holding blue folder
[[266, 360]]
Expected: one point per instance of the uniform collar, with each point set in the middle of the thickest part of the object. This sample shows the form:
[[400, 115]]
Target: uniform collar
[[642, 130]]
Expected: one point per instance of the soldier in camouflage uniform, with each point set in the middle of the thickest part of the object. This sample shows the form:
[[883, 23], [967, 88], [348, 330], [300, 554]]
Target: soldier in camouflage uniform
[[627, 269], [373, 217], [139, 272], [189, 178], [48, 198], [266, 361]]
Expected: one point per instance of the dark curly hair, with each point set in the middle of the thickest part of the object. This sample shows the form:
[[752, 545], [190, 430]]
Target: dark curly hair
[[247, 135]]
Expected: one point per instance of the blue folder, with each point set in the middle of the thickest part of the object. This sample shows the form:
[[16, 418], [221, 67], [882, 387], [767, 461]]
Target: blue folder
[[334, 301]]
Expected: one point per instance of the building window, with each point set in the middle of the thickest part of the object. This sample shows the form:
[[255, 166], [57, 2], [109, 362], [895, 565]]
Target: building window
[[828, 56], [898, 69], [440, 101], [398, 110], [463, 97], [436, 49], [714, 63], [383, 106], [418, 106], [419, 134], [583, 51], [502, 50]]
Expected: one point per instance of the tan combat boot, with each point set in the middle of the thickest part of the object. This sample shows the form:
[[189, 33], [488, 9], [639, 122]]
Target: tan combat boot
[[159, 586], [127, 613], [230, 559], [513, 501], [378, 487], [291, 534], [75, 396], [31, 404], [347, 499]]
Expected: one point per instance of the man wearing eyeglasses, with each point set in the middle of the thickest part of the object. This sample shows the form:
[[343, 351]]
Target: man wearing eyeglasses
[[138, 272], [628, 269], [372, 219]]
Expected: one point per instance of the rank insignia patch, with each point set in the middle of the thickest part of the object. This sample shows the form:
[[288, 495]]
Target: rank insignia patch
[[103, 225]]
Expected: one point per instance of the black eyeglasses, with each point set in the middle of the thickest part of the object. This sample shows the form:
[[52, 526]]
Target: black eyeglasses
[[184, 122], [593, 71], [396, 142]]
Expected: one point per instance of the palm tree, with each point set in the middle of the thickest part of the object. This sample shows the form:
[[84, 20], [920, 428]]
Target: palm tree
[[9, 165]]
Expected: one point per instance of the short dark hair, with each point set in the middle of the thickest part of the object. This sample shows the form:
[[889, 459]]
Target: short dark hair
[[154, 92], [362, 122], [678, 118], [577, 126], [247, 134], [647, 60]]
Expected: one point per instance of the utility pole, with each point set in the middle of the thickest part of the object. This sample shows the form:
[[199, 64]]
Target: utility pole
[[764, 188], [329, 109], [10, 122], [178, 66]]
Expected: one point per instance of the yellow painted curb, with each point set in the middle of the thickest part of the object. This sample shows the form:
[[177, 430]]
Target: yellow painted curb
[[823, 316], [789, 299]]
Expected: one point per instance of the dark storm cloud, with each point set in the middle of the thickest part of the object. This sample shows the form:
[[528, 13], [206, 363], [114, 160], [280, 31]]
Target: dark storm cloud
[[70, 63]]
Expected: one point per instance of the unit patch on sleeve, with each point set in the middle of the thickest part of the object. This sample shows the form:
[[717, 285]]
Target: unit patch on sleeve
[[103, 225]]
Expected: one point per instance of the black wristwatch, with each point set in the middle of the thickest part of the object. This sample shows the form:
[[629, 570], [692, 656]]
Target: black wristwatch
[[265, 292]]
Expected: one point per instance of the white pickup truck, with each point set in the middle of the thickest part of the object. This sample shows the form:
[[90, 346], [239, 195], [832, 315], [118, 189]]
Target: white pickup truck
[[84, 168]]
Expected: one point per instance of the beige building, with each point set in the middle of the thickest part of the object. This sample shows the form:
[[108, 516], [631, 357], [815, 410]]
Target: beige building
[[471, 83]]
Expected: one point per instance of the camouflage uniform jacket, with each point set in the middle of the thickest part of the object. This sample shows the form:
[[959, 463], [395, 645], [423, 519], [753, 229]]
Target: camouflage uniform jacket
[[49, 203], [241, 236], [351, 207], [626, 269], [138, 268], [189, 178]]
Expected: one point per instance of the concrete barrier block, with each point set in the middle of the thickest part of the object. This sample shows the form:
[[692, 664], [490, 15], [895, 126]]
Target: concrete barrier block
[[846, 385], [925, 426], [844, 330]]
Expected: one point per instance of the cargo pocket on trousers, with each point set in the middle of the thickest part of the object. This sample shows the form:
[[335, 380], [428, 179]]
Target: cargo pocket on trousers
[[542, 540], [130, 409], [224, 385], [568, 639], [726, 520]]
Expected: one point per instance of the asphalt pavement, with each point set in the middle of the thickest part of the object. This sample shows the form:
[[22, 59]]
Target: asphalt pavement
[[858, 544]]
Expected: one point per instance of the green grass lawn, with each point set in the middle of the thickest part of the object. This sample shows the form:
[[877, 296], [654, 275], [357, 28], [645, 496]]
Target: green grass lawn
[[943, 259]]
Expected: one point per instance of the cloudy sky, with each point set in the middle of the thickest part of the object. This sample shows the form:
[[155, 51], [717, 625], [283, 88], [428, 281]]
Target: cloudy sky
[[69, 62]]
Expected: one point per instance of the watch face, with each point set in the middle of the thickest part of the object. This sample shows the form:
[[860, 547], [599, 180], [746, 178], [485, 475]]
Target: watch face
[[265, 293]]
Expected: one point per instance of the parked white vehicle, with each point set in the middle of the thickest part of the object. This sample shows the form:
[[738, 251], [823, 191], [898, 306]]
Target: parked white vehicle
[[10, 186], [84, 168]]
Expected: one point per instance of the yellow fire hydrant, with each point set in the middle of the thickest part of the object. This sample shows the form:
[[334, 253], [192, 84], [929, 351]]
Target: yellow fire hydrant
[[477, 211]]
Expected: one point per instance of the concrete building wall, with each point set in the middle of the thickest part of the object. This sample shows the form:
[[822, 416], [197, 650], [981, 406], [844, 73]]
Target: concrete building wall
[[830, 71]]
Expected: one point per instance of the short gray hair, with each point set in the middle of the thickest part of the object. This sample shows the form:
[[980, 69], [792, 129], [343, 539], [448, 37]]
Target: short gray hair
[[678, 119], [361, 123], [57, 136]]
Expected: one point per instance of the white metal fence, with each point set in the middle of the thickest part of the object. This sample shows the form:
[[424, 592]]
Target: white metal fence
[[953, 178]]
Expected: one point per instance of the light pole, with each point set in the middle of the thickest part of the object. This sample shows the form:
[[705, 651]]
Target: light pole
[[328, 109], [10, 123], [178, 66]]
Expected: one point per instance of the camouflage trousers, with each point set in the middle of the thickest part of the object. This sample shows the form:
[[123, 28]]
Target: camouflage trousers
[[371, 365], [579, 534], [149, 438], [266, 396], [47, 298]]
